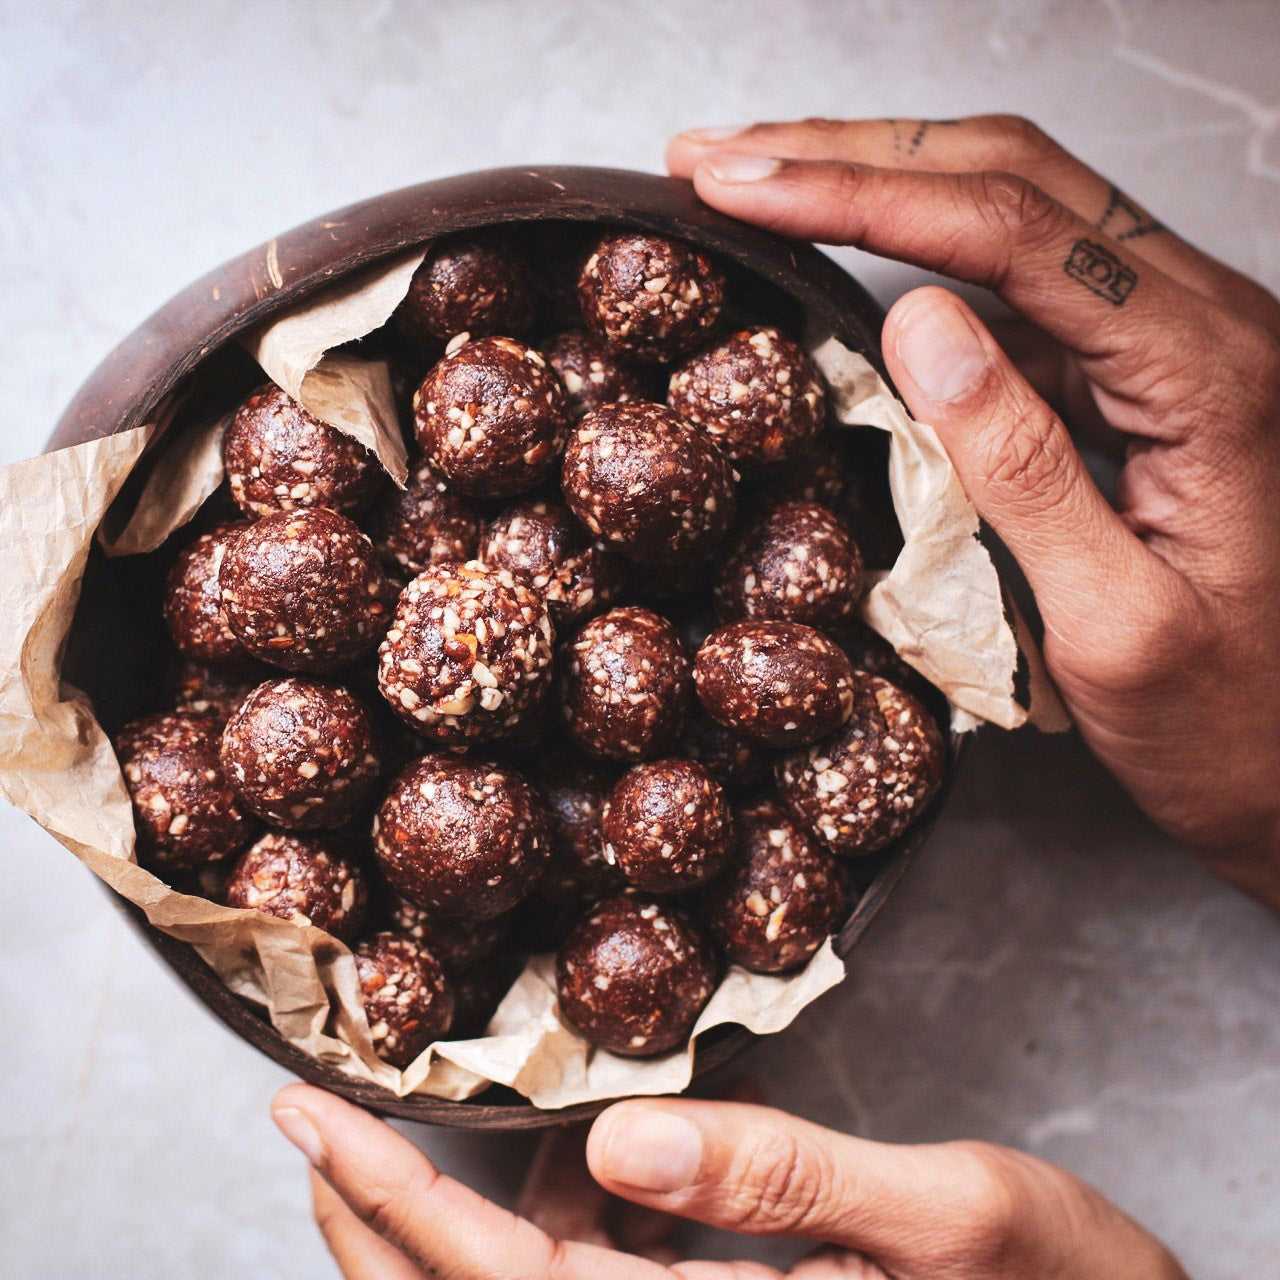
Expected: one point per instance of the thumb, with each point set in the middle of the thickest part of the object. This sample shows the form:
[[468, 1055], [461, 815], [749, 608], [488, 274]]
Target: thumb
[[1015, 459]]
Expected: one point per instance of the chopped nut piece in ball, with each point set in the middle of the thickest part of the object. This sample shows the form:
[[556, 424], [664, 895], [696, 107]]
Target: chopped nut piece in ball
[[406, 995], [756, 394], [491, 417], [667, 825], [424, 524], [184, 811], [305, 879], [541, 544], [279, 457], [634, 975], [780, 682], [591, 373], [301, 754], [303, 590], [862, 789], [468, 653], [577, 871], [784, 895], [625, 686], [464, 838], [796, 564], [651, 484], [649, 298], [471, 283], [193, 601]]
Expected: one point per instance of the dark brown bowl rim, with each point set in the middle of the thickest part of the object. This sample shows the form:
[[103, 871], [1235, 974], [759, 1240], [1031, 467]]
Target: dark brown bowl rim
[[125, 389]]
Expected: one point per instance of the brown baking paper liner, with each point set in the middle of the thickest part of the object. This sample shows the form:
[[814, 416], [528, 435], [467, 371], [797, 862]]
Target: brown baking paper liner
[[940, 606]]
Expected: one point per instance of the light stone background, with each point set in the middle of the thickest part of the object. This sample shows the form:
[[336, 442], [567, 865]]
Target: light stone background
[[1054, 974]]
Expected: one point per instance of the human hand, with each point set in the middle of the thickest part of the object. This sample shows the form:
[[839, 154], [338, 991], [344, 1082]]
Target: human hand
[[1162, 614], [959, 1211]]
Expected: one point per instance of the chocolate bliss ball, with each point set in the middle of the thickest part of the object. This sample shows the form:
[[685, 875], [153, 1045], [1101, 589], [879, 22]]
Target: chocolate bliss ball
[[463, 838], [796, 564], [193, 603], [424, 524], [591, 373], [782, 683], [279, 457], [862, 789], [633, 976], [756, 394], [541, 544], [649, 483], [667, 825], [624, 688], [647, 297], [184, 811], [491, 417], [468, 653], [301, 754], [784, 895], [471, 283], [457, 944], [406, 996], [303, 590], [300, 878], [577, 871]]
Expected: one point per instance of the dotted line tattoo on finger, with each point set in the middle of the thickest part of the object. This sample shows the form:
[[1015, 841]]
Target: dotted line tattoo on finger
[[909, 146], [1101, 272], [1124, 220]]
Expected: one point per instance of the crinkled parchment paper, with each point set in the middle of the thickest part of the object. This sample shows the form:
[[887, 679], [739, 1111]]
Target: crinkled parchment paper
[[940, 606]]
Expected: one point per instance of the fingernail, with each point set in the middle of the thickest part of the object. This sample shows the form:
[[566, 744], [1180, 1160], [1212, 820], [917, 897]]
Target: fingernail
[[740, 168], [943, 354], [652, 1150], [297, 1127], [720, 133]]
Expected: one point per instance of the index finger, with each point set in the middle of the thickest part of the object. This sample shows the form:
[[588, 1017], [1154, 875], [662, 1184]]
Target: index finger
[[1122, 316], [438, 1223]]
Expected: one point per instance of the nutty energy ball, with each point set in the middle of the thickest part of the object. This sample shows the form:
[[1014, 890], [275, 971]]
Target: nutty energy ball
[[406, 995], [424, 524], [300, 878], [634, 975], [460, 837], [192, 686], [591, 373], [471, 283], [732, 760], [193, 603], [756, 394], [184, 811], [649, 298], [862, 789], [782, 683], [667, 825], [301, 754], [624, 688], [648, 482], [303, 590], [577, 870], [541, 544], [491, 417], [817, 473], [457, 944], [784, 896], [468, 653], [278, 457], [796, 564]]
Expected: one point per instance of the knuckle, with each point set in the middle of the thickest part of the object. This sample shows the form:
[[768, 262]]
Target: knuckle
[[1016, 137], [993, 1204], [778, 1185], [1026, 456]]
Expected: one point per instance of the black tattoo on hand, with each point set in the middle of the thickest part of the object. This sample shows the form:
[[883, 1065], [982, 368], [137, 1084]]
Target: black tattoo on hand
[[1100, 271], [1124, 220], [908, 145]]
